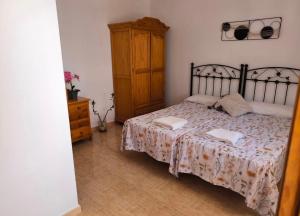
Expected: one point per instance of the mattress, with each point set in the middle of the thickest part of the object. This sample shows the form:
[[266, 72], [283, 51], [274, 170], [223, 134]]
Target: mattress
[[142, 135], [252, 167]]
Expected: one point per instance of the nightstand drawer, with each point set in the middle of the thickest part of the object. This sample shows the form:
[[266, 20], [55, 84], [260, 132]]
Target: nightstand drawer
[[79, 116], [79, 123], [78, 111], [81, 133]]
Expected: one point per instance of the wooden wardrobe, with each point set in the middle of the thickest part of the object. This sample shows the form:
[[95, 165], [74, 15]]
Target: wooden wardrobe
[[138, 63]]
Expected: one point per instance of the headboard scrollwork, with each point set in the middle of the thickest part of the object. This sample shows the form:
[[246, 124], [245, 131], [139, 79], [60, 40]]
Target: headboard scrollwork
[[270, 84], [215, 79], [277, 85]]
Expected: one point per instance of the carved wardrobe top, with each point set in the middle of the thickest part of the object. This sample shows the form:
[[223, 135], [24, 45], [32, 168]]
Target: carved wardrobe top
[[146, 23]]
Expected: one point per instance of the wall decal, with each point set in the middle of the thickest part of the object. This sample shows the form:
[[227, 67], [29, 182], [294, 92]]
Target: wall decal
[[257, 29]]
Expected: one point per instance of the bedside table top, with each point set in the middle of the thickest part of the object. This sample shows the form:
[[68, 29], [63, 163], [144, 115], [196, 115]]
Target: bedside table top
[[80, 99]]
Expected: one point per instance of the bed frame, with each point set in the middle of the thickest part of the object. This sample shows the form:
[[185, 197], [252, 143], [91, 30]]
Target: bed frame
[[278, 83], [275, 85], [216, 74]]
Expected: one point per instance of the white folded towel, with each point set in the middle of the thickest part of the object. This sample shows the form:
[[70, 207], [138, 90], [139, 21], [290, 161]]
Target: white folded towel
[[170, 122], [226, 135]]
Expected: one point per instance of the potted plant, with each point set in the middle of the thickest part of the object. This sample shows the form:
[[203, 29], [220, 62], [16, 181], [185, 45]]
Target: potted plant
[[72, 92], [102, 124]]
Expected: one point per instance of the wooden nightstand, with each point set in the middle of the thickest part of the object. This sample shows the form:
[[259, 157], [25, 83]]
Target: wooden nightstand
[[79, 116]]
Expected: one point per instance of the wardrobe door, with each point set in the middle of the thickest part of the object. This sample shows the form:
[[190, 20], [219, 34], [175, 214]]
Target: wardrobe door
[[120, 44], [157, 68], [141, 67]]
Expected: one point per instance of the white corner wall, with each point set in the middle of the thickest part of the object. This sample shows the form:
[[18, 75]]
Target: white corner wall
[[194, 36], [196, 31], [36, 163], [86, 42]]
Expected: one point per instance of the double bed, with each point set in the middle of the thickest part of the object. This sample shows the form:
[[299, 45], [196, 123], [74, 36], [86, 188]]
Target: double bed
[[253, 167]]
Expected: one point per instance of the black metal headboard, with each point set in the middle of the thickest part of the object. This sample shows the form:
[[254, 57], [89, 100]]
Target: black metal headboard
[[270, 84], [215, 79]]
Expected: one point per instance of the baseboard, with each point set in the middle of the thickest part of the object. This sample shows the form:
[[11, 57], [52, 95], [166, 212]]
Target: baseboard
[[73, 212]]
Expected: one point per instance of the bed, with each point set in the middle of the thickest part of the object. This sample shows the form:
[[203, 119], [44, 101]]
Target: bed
[[252, 168], [140, 134]]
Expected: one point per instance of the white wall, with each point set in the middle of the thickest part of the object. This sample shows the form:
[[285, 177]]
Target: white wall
[[196, 30], [36, 163], [194, 36], [86, 42]]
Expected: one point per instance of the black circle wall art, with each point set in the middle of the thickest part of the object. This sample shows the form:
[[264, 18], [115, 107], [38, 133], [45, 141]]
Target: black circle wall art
[[241, 32], [255, 29], [226, 27], [267, 32]]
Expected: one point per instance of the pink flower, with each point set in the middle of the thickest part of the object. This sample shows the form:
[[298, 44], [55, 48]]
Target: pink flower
[[68, 76]]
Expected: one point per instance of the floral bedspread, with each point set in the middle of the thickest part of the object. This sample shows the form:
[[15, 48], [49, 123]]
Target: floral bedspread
[[252, 167], [140, 134]]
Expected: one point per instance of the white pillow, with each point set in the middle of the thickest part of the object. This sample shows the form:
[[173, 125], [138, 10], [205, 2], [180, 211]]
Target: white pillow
[[272, 109], [234, 104], [203, 99]]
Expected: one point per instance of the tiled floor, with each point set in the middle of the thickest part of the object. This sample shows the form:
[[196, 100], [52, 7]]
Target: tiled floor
[[115, 183]]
